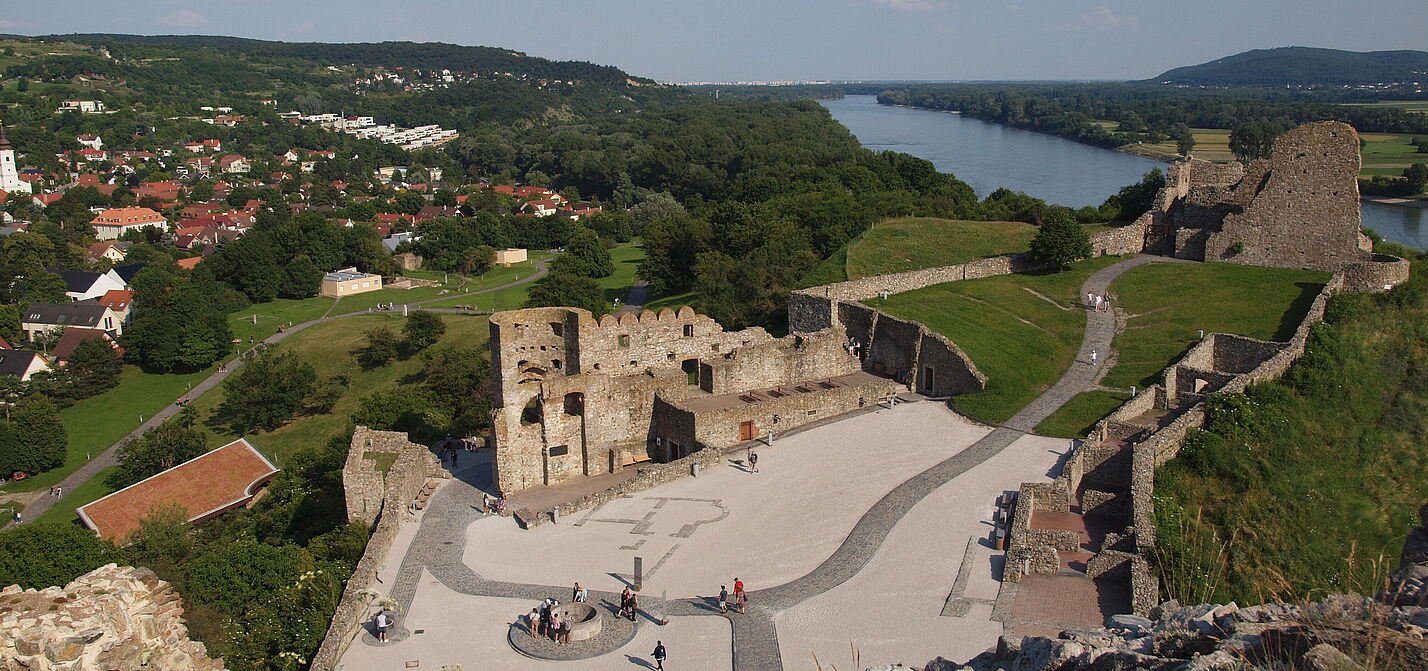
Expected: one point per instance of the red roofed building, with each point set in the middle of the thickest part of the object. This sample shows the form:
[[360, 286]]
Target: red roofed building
[[189, 263], [206, 486], [46, 199], [113, 222], [120, 301]]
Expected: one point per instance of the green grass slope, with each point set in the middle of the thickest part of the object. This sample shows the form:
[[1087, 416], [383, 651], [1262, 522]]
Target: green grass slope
[[913, 243]]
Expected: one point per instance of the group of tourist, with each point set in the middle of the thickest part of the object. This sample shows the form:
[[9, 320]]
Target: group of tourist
[[854, 348], [1098, 302], [493, 504], [741, 598], [546, 621], [629, 604]]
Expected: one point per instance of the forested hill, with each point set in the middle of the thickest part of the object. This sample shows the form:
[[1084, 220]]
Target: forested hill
[[425, 55], [1303, 66]]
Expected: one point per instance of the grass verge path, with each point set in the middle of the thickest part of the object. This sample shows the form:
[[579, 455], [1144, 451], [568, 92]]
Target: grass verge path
[[110, 456]]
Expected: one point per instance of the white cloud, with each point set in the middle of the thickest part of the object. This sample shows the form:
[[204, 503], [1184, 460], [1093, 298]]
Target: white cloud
[[907, 5], [183, 17], [1101, 19]]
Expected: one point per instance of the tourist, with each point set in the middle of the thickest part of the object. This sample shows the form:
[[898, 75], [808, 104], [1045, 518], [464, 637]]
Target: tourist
[[565, 623], [59, 490], [753, 461], [579, 595], [634, 605], [1090, 299], [1106, 301], [1097, 302], [486, 503], [624, 601], [658, 655], [533, 622], [545, 617], [383, 622], [723, 599], [740, 599], [52, 491], [1093, 357]]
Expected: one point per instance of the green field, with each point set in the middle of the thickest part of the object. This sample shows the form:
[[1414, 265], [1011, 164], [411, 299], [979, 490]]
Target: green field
[[100, 421], [495, 277], [261, 320], [327, 347], [1420, 106], [1167, 306], [1022, 341], [1075, 419], [673, 301], [627, 260], [898, 245]]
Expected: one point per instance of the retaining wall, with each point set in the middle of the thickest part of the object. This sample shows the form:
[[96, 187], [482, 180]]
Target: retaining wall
[[415, 464]]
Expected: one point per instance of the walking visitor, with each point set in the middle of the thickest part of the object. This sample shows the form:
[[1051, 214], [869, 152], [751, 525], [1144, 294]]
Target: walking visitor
[[382, 623], [723, 599], [753, 461], [659, 655]]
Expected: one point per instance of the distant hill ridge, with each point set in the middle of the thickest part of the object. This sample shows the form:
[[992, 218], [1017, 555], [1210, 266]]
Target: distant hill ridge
[[426, 55], [1303, 66]]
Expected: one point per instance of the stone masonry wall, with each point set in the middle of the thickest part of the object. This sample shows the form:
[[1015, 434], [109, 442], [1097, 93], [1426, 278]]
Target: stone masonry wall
[[415, 464], [114, 617]]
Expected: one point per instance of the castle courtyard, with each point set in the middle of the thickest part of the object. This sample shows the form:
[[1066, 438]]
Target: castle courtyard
[[464, 580]]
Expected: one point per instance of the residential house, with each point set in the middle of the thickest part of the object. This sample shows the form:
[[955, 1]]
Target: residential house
[[206, 486], [125, 274], [45, 199], [71, 339], [391, 241], [506, 257], [113, 250], [167, 191], [233, 163], [540, 208], [121, 301], [90, 140], [82, 286], [201, 210], [41, 318], [189, 263], [22, 364], [348, 281], [115, 221], [85, 106]]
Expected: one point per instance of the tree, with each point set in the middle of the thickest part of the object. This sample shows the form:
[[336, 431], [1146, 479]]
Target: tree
[[1184, 139], [422, 329], [267, 391], [380, 348], [585, 255], [460, 378], [177, 324], [40, 437], [159, 449], [1060, 241], [565, 289], [93, 368], [46, 554], [1135, 199], [1254, 139], [1415, 176]]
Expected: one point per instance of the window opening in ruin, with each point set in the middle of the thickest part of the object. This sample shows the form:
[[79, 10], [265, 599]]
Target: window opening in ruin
[[555, 363], [531, 413], [597, 366], [714, 347], [669, 357], [559, 450], [689, 330], [624, 341], [575, 403], [557, 328], [691, 370]]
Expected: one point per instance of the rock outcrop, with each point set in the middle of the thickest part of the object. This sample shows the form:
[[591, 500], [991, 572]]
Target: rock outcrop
[[1339, 633], [112, 618], [1408, 586]]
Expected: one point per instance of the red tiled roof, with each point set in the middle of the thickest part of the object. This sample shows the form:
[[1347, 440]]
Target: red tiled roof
[[206, 486], [189, 263], [117, 299]]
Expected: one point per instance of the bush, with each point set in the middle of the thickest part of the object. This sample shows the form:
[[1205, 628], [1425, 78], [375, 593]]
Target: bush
[[44, 554]]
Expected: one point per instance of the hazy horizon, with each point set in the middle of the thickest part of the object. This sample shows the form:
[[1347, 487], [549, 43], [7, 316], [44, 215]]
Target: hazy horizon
[[741, 40]]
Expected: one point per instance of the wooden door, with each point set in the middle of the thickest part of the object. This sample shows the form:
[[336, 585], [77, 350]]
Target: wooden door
[[747, 430]]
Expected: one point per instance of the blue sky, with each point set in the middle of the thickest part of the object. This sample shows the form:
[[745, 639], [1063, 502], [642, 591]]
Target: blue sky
[[691, 40]]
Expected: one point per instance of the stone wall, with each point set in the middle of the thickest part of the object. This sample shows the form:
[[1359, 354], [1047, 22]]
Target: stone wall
[[415, 465], [646, 477], [114, 617], [720, 429]]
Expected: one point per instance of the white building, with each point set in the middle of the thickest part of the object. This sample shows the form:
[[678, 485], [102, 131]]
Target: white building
[[10, 181]]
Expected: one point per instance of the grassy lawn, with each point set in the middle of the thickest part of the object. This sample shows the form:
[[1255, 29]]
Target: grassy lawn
[[1023, 342], [1075, 419], [494, 277], [327, 346], [674, 301], [262, 319], [627, 258], [88, 492], [899, 245], [832, 270], [100, 421], [1168, 305]]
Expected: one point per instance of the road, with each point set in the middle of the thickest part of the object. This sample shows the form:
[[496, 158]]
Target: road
[[110, 456]]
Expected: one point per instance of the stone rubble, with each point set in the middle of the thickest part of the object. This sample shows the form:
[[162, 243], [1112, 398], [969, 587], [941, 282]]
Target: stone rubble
[[118, 618]]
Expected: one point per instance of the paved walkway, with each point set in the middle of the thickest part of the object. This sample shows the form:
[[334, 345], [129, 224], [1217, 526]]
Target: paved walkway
[[110, 456], [440, 542]]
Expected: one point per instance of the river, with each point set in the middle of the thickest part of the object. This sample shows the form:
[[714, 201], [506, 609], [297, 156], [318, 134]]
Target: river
[[987, 156]]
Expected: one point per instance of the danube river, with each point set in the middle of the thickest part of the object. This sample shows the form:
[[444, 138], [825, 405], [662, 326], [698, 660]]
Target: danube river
[[987, 156]]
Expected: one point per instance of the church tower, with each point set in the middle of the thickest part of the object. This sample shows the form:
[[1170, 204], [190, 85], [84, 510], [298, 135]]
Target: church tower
[[9, 172]]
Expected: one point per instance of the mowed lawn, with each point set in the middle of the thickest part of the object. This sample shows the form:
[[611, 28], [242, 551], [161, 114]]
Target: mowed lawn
[[1075, 419], [899, 245], [627, 258], [494, 277], [95, 423], [1167, 306], [1022, 341], [328, 348]]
